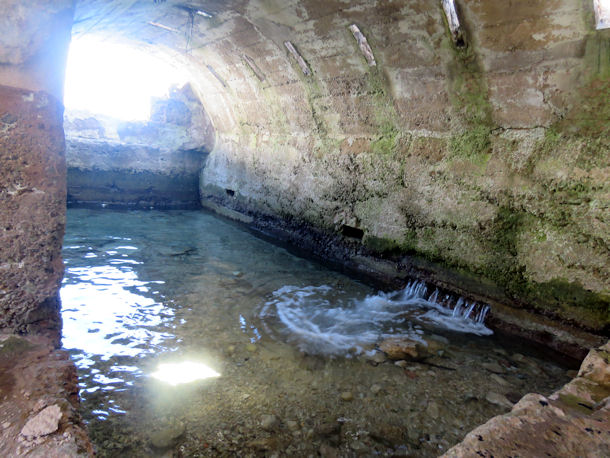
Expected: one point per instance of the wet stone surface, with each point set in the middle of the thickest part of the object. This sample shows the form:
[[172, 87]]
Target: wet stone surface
[[289, 349]]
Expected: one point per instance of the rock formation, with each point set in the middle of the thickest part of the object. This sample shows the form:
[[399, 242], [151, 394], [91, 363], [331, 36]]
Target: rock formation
[[573, 421]]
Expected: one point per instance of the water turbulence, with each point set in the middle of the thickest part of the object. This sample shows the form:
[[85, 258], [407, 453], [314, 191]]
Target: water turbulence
[[326, 320], [192, 337]]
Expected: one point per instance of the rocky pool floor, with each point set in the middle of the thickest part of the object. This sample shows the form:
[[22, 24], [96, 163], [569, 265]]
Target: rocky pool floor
[[291, 348]]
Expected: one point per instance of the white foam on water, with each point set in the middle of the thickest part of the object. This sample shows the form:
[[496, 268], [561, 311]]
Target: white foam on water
[[325, 320]]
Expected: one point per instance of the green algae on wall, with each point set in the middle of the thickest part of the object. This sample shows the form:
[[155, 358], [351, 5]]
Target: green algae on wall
[[468, 94], [481, 198], [385, 114]]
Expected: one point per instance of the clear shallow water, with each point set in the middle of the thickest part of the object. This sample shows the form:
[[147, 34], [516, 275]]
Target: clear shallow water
[[152, 299]]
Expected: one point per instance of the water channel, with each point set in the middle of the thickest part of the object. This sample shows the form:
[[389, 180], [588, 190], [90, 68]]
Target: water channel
[[193, 337]]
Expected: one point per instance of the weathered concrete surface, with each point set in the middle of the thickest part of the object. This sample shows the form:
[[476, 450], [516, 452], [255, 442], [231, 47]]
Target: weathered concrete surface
[[32, 198], [574, 421], [39, 400], [154, 163]]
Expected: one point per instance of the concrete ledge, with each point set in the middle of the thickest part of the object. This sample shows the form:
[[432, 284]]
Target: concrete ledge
[[565, 342]]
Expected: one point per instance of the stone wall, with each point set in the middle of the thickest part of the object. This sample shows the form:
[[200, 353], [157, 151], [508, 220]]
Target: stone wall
[[32, 197], [143, 164], [33, 47], [490, 159]]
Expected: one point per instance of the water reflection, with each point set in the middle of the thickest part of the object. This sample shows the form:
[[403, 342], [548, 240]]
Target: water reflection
[[109, 313]]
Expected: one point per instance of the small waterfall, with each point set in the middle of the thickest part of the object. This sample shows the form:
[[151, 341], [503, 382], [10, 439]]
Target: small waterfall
[[328, 320], [472, 311], [459, 308], [414, 289], [480, 318]]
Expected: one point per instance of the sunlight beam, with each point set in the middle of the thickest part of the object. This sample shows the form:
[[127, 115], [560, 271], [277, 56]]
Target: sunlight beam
[[115, 79]]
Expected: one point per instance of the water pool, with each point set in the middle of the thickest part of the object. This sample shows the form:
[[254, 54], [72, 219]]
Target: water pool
[[192, 337]]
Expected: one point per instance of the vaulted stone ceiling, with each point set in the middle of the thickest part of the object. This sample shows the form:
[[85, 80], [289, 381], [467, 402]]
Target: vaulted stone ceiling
[[436, 149], [131, 20]]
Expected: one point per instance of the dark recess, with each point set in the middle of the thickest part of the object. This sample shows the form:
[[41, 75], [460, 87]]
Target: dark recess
[[352, 232]]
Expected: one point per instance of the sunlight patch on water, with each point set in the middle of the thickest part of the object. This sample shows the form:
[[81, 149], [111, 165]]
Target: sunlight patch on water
[[183, 372]]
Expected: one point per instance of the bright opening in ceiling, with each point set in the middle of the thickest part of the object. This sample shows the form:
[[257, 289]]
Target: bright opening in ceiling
[[602, 13], [116, 80]]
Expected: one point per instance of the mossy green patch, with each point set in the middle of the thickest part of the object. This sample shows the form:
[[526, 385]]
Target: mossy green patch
[[14, 345], [384, 112], [473, 144], [382, 245], [576, 403], [387, 141], [387, 246], [328, 142], [503, 267], [590, 113], [468, 94], [571, 301]]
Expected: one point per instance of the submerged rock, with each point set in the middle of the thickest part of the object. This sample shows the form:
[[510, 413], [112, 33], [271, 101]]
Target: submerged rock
[[499, 380], [498, 399], [264, 444], [168, 436], [326, 451], [397, 348], [347, 396], [292, 425], [432, 410], [376, 389], [378, 357], [494, 368], [269, 422]]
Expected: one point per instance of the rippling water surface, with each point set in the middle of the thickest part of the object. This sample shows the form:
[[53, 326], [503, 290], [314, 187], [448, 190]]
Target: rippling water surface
[[194, 337]]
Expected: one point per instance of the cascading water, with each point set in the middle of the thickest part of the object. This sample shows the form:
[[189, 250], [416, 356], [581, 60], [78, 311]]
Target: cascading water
[[327, 320]]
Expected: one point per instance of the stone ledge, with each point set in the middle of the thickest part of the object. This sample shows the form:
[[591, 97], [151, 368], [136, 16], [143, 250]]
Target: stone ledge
[[574, 421], [566, 342]]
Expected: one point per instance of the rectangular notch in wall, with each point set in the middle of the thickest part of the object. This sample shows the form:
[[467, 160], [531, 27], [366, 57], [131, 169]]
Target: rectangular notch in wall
[[363, 44], [304, 67], [257, 71], [453, 21], [164, 27], [352, 232], [217, 76]]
